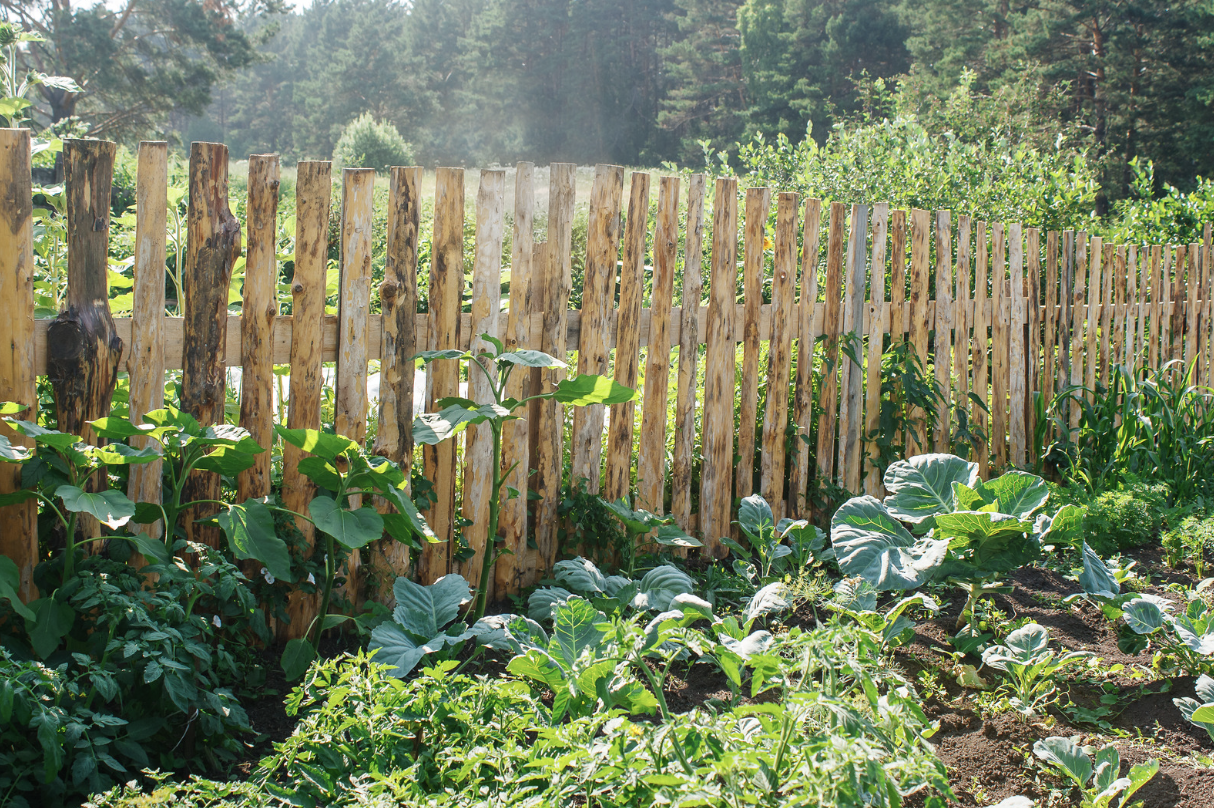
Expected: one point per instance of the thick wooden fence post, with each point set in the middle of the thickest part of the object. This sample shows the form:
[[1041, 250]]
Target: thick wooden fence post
[[313, 190], [258, 309], [758, 203], [716, 470], [980, 374], [961, 312], [1000, 346], [878, 319], [19, 536], [145, 363], [1016, 347], [398, 344], [848, 472], [920, 316], [831, 326], [942, 359], [1095, 282], [516, 435], [213, 243], [689, 354], [783, 324], [803, 397], [486, 307]]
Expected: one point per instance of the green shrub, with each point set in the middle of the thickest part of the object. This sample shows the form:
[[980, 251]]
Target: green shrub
[[1131, 516], [1190, 540], [368, 143]]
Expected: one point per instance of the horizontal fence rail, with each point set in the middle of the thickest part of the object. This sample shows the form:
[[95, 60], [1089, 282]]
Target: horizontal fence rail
[[794, 302]]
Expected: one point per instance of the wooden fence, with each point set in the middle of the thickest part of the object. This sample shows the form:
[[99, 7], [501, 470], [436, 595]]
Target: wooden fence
[[992, 309]]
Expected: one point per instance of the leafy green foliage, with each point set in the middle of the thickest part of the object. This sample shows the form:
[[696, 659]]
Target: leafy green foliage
[[1030, 666], [1190, 541], [421, 622], [1187, 637], [1199, 711], [368, 143], [1099, 784], [765, 539]]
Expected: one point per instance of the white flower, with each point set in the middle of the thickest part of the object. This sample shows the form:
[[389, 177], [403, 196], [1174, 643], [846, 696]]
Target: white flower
[[218, 623], [311, 579], [265, 573]]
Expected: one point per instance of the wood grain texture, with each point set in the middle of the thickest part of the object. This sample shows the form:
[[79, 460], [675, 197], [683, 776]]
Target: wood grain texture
[[685, 398], [979, 379], [1017, 358], [651, 450], [598, 296], [962, 305], [1066, 295], [516, 435], [1033, 313], [1156, 308], [145, 363], [1166, 312], [556, 286], [758, 203], [878, 319], [716, 475], [803, 400], [486, 308], [1092, 334], [832, 324], [1106, 312], [259, 307], [1117, 350], [1206, 342], [1191, 315], [446, 296], [212, 246], [919, 322], [1000, 321], [1050, 341], [1079, 272], [1134, 313], [850, 469], [19, 538], [898, 314], [779, 364], [313, 191], [618, 481], [942, 343]]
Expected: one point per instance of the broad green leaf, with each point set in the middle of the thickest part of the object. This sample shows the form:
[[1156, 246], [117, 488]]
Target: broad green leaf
[[114, 427], [352, 529], [10, 582], [580, 575], [296, 658], [968, 499], [431, 428], [509, 632], [988, 542], [20, 495], [150, 548], [674, 536], [639, 521], [1140, 774], [249, 527], [110, 507], [659, 587], [226, 461], [870, 544], [922, 487], [531, 359], [13, 454], [172, 418], [538, 666], [43, 436], [12, 408], [755, 518], [1097, 579], [1064, 527], [321, 444], [52, 621], [321, 472], [543, 601], [575, 627], [451, 353], [395, 646], [1143, 616], [1068, 756], [767, 600], [1205, 688], [119, 454], [586, 389], [1203, 715], [1018, 492], [405, 507], [424, 611], [233, 437]]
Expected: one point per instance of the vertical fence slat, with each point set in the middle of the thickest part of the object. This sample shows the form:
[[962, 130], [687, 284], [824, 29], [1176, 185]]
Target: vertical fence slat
[[942, 346], [1016, 348], [831, 326], [651, 452], [689, 353], [516, 434], [598, 294], [1207, 286], [758, 202], [1000, 317], [1049, 384], [1033, 344], [779, 365], [446, 293], [1066, 314], [313, 189], [486, 306], [849, 470], [961, 308], [803, 399], [1153, 269], [628, 339], [212, 244], [979, 385], [1106, 312], [1117, 349], [1167, 297], [920, 315], [555, 272], [258, 309], [19, 538], [878, 318], [897, 277], [717, 465], [145, 363], [1095, 282], [1191, 311], [1079, 275], [1133, 323]]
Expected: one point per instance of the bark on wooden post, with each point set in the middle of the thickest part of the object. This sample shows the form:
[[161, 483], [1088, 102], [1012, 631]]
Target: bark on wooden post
[[212, 245], [19, 536], [145, 363], [257, 313]]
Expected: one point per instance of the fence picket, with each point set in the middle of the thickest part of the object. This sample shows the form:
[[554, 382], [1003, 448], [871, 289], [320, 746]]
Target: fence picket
[[1051, 344], [1000, 345], [689, 354], [1133, 315], [1191, 310], [1207, 286], [942, 345], [1016, 349], [961, 309], [758, 203], [779, 365], [848, 472], [920, 315], [1117, 349], [831, 327], [1078, 312], [878, 318], [1033, 345], [807, 335], [1106, 311], [980, 384]]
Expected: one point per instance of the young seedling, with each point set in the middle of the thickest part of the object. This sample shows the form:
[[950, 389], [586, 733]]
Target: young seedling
[[1099, 785], [1030, 665], [1200, 711]]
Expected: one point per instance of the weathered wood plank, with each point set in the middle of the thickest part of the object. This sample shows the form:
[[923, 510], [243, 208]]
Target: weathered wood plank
[[446, 296], [1000, 346], [1051, 364], [651, 451], [942, 343], [1079, 278], [878, 319], [979, 384], [831, 328], [19, 538], [1207, 286], [1016, 348], [758, 203], [1106, 312], [258, 309], [849, 471], [516, 435], [145, 363], [486, 308], [898, 315], [628, 339], [1155, 333], [1118, 348], [716, 472], [212, 245], [689, 352], [962, 305], [598, 296], [1095, 282], [1134, 309], [919, 321], [1033, 344], [798, 482], [1192, 317]]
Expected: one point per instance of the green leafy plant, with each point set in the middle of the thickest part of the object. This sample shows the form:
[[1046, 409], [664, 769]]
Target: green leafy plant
[[1190, 541], [457, 414], [1187, 637], [653, 592], [856, 599], [1199, 711], [369, 143], [1031, 667], [639, 524], [765, 538], [421, 623], [1100, 784]]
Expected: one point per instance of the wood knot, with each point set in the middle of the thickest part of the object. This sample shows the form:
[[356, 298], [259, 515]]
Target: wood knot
[[98, 224], [297, 288], [387, 292]]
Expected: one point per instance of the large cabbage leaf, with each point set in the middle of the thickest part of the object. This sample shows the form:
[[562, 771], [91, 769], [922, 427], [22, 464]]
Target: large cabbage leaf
[[922, 487], [870, 544]]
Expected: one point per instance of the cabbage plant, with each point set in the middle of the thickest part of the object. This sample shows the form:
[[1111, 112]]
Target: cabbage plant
[[962, 530], [1030, 666], [1098, 784], [1200, 711]]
